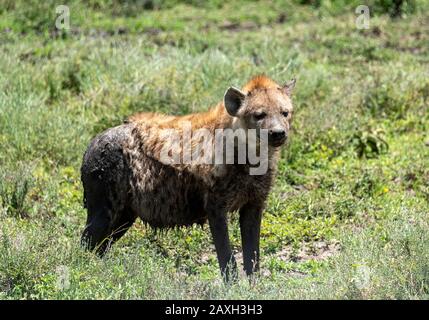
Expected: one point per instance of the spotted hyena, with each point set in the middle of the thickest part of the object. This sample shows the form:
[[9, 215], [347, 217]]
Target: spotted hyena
[[127, 170]]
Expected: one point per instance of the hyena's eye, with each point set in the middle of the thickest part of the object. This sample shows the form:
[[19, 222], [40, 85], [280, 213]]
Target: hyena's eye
[[259, 115], [285, 113]]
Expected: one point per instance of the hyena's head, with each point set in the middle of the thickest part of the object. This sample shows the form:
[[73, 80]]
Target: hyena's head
[[262, 104]]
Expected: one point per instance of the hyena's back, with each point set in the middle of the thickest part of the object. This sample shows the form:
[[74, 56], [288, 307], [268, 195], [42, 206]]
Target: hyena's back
[[116, 191]]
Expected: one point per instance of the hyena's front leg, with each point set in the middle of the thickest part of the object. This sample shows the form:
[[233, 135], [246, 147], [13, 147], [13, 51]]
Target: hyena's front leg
[[219, 228], [250, 226]]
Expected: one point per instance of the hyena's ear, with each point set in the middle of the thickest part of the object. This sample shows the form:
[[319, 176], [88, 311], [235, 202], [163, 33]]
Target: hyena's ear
[[233, 99], [288, 87]]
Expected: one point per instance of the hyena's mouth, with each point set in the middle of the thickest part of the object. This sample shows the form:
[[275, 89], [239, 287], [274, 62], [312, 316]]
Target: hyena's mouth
[[277, 142], [273, 140], [277, 138]]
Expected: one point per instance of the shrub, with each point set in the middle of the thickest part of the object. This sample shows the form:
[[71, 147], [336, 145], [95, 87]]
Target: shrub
[[14, 188]]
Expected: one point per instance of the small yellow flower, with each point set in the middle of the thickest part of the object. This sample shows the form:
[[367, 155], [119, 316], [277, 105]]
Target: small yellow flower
[[339, 162], [385, 190]]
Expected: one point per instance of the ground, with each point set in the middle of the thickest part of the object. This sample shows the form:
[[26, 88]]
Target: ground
[[348, 216]]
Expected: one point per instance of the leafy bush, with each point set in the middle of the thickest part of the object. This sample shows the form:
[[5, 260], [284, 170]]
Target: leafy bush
[[369, 143], [14, 188]]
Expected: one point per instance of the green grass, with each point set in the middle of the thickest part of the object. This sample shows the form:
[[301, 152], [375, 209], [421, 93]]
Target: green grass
[[348, 215]]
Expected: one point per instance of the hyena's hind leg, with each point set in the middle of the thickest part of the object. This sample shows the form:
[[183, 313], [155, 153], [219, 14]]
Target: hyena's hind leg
[[105, 224], [97, 230], [125, 219], [101, 231], [105, 178]]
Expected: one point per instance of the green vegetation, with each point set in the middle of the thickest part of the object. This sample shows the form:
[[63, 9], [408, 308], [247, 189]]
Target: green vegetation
[[349, 213]]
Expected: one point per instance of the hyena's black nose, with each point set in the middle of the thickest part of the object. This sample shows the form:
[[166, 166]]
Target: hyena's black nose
[[277, 134]]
